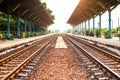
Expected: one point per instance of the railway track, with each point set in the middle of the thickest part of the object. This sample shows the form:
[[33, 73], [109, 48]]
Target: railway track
[[18, 48], [13, 67], [103, 65]]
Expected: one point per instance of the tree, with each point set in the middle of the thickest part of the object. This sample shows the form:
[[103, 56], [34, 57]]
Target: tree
[[3, 22], [48, 11], [69, 31]]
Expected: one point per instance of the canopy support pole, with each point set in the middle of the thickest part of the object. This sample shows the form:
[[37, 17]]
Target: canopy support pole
[[8, 26], [18, 26], [109, 22]]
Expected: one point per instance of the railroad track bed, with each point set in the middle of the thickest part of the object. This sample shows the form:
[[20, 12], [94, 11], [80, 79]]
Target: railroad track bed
[[112, 50], [102, 64], [22, 61], [102, 46], [76, 60], [61, 64], [8, 52], [31, 67]]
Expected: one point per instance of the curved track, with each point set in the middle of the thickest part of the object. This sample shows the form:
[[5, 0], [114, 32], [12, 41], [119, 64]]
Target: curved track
[[103, 65], [12, 65]]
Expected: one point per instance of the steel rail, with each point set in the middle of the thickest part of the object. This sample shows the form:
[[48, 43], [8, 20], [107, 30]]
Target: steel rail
[[18, 53], [117, 76], [23, 64], [113, 56]]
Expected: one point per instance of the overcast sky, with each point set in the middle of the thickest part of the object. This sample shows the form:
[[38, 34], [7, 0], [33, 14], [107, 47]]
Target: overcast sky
[[62, 9]]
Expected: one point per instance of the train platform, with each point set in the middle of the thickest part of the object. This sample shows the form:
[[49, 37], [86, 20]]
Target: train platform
[[113, 42], [7, 44]]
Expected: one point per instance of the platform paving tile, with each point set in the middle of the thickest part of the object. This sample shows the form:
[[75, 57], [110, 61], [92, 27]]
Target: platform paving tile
[[102, 40]]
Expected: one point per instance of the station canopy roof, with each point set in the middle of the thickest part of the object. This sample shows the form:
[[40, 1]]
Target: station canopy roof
[[87, 9], [30, 10]]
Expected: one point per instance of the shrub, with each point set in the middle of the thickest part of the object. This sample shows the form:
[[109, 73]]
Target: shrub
[[87, 33], [97, 32], [114, 31], [105, 32], [91, 33]]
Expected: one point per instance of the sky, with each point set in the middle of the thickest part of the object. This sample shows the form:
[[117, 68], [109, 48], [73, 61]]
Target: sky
[[115, 14], [62, 9]]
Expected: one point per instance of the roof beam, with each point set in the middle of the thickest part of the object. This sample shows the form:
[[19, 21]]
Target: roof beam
[[24, 12], [31, 15], [30, 12], [15, 7], [102, 5], [38, 19], [88, 14], [118, 0], [35, 18], [114, 6], [86, 10], [93, 10], [1, 1], [97, 13], [82, 18]]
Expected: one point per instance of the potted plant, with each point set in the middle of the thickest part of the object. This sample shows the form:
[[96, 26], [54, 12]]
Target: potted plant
[[105, 33], [97, 32], [91, 33], [87, 33], [23, 34]]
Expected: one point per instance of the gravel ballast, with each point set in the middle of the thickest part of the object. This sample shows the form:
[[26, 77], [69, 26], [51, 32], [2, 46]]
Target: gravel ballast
[[60, 64]]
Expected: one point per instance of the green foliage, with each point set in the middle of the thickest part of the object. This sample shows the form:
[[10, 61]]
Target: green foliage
[[23, 34], [118, 28], [48, 11], [44, 30], [69, 31], [105, 31], [87, 33], [53, 17], [114, 30], [97, 32], [50, 31], [44, 5], [3, 34], [76, 31], [3, 22], [91, 33]]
